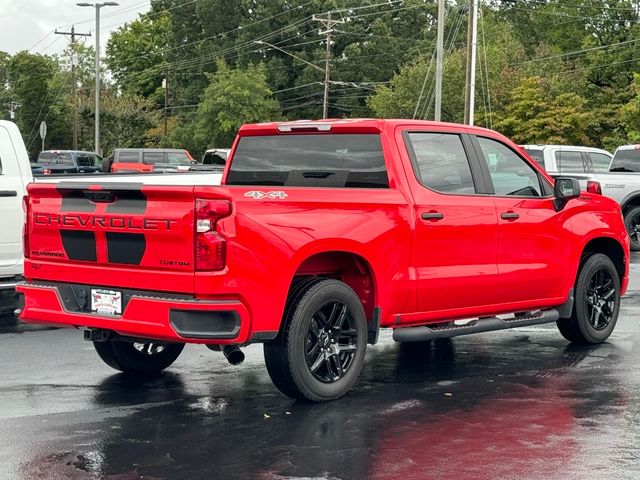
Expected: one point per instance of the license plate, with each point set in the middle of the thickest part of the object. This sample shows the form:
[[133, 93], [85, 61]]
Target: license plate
[[106, 302]]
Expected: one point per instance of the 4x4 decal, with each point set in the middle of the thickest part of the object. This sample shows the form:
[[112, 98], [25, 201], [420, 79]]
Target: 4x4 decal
[[258, 195]]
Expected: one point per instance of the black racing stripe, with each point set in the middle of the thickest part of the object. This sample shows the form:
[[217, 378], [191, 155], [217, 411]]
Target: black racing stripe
[[75, 201], [128, 201], [125, 248], [79, 245]]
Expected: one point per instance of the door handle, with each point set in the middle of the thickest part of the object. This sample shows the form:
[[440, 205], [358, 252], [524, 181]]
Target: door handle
[[8, 193], [509, 216], [432, 216]]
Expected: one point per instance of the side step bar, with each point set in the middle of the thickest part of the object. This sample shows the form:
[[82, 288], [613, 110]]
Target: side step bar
[[486, 324]]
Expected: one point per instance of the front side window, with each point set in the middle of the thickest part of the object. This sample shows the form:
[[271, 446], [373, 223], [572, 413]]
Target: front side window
[[570, 161], [510, 174], [441, 162], [600, 162], [320, 160]]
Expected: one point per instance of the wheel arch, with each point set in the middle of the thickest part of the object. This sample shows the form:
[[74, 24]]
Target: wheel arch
[[609, 247], [631, 200], [346, 265]]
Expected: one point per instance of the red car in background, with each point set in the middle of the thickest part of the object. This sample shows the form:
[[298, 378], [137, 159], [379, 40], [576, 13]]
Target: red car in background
[[147, 160]]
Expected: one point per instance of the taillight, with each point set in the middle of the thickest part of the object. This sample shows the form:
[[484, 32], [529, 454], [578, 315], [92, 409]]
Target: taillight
[[210, 246], [25, 227], [594, 187]]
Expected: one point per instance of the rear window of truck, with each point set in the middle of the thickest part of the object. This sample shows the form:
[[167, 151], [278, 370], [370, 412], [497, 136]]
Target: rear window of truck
[[626, 160], [320, 160]]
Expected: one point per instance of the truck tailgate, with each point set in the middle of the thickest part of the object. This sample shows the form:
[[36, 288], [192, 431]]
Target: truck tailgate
[[130, 231]]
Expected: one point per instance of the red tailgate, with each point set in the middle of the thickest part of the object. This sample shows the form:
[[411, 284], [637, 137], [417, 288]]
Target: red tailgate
[[112, 234]]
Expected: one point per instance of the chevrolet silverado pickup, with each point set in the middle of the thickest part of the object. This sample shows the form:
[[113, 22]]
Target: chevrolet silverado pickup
[[321, 233]]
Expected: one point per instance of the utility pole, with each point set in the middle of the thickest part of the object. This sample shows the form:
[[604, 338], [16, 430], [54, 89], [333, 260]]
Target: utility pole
[[328, 24], [165, 86], [439, 60], [97, 7], [472, 43], [74, 98]]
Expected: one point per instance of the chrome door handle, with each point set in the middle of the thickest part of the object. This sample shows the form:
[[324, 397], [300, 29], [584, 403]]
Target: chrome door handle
[[509, 216]]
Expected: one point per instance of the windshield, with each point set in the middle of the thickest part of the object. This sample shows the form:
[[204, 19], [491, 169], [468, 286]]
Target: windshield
[[321, 160], [626, 160]]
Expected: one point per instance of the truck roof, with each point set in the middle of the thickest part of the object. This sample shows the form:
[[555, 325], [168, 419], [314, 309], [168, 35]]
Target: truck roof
[[340, 125]]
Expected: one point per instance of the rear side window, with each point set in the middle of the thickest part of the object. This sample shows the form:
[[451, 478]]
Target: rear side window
[[537, 155], [600, 162], [441, 162], [570, 161], [321, 160], [65, 159], [44, 157], [130, 157], [626, 160], [152, 158]]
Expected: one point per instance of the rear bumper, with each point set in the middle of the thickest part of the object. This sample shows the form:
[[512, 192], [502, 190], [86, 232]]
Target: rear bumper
[[145, 315]]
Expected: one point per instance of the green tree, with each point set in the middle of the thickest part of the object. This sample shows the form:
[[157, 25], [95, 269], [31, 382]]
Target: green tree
[[234, 97], [136, 56], [125, 121], [537, 114]]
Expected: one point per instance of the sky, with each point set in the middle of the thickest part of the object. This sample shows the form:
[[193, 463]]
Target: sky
[[29, 24]]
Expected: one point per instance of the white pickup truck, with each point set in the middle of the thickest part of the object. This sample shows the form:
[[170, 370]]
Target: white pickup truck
[[622, 183], [15, 175], [561, 159]]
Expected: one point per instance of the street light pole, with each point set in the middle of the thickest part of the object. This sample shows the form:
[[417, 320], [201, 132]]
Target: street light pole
[[97, 6]]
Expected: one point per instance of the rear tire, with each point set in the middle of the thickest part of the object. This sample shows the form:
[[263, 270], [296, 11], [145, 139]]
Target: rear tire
[[597, 302], [319, 353], [139, 358], [632, 224]]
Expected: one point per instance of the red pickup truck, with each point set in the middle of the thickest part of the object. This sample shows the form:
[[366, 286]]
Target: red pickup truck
[[322, 233]]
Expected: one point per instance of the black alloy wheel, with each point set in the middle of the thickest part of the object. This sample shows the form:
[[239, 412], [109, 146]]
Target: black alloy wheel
[[601, 300], [142, 358], [330, 343], [596, 304], [319, 352]]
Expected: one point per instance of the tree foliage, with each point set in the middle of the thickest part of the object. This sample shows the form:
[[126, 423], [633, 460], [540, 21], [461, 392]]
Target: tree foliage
[[548, 70], [234, 97]]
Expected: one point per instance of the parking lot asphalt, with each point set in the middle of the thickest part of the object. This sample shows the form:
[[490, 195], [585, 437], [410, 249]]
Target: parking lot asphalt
[[505, 405]]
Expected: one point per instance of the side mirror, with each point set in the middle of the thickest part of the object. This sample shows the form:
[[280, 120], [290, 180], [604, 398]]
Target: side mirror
[[565, 189]]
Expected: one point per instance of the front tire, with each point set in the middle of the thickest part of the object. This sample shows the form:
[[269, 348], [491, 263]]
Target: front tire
[[138, 358], [632, 224], [319, 353], [597, 302]]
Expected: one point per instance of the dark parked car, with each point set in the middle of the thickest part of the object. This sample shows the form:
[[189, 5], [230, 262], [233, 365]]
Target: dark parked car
[[148, 160], [66, 161]]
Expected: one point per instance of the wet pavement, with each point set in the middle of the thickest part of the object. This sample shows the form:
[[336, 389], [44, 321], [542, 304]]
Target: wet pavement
[[505, 405]]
